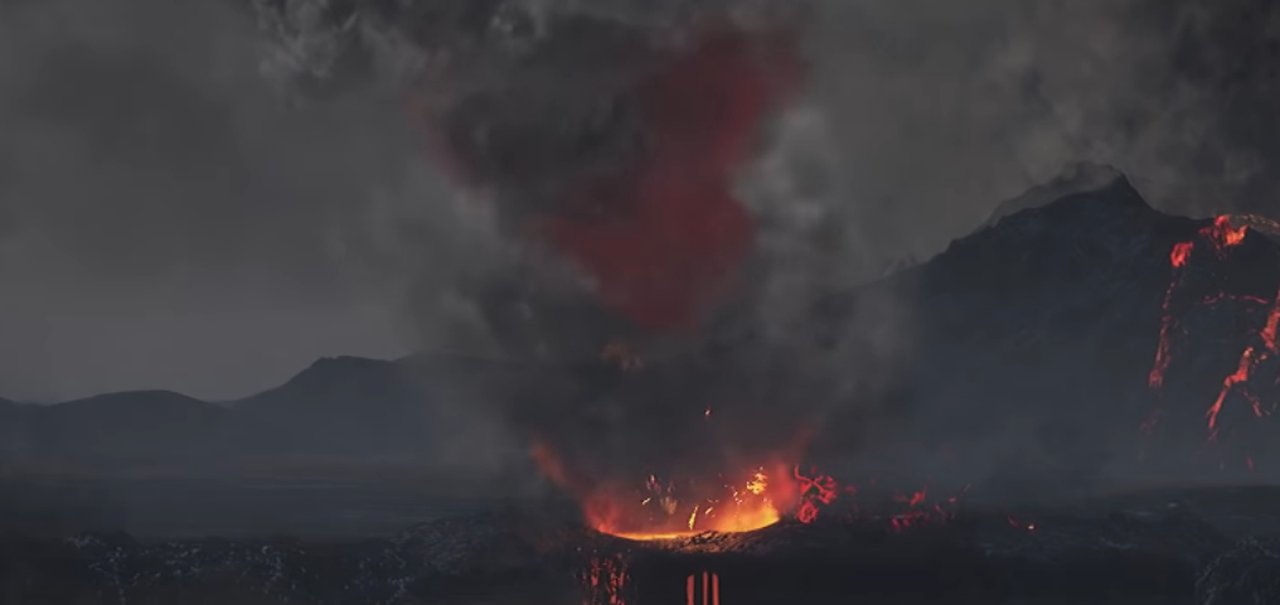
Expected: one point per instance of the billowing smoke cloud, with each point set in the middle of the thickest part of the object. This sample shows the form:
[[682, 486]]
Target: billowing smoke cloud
[[155, 159], [938, 110], [917, 118]]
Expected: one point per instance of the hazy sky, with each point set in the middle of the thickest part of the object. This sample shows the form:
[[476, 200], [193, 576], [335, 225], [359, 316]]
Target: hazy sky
[[165, 220], [170, 219]]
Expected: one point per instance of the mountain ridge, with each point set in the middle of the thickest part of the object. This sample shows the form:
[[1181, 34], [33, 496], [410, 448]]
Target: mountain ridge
[[1041, 330], [1019, 353]]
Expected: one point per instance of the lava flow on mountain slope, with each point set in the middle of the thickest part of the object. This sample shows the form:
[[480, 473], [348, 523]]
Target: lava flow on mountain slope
[[1213, 244]]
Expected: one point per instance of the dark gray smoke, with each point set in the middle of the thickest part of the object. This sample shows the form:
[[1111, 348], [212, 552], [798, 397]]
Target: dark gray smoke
[[936, 110], [918, 117], [186, 184]]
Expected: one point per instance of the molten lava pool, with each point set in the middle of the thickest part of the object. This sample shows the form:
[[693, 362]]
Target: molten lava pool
[[657, 508], [738, 520], [669, 510]]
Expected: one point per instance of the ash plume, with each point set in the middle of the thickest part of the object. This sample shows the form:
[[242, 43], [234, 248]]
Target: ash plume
[[910, 124], [913, 122], [337, 155]]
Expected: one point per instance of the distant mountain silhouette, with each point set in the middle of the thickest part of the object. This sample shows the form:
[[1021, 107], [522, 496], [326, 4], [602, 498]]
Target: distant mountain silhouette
[[13, 428], [339, 411], [106, 431], [344, 407]]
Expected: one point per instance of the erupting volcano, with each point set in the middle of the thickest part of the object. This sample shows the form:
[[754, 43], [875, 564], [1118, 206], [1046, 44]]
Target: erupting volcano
[[660, 235]]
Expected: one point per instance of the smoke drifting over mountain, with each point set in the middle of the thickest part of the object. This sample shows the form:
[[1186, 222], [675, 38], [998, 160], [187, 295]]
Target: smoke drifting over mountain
[[198, 170]]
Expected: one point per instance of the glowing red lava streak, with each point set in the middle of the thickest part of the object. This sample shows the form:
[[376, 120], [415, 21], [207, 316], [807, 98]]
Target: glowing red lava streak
[[1269, 332], [1165, 345], [710, 589], [1249, 361], [1181, 252], [1220, 236], [1241, 375], [1226, 236], [814, 490]]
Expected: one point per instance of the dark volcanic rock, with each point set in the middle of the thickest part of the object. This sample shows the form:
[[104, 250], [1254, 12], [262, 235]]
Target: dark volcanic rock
[[1030, 344], [433, 562], [339, 411], [503, 558], [975, 557], [117, 430], [1247, 574]]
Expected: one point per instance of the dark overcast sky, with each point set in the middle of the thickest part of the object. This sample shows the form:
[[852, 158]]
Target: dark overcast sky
[[168, 220]]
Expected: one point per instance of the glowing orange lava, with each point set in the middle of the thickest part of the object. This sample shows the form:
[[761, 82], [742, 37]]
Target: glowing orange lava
[[658, 509], [666, 512]]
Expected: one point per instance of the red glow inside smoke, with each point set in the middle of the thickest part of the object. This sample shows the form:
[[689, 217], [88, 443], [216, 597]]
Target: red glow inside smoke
[[662, 239]]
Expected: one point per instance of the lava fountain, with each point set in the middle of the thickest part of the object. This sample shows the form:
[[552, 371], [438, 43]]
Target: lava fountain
[[654, 508]]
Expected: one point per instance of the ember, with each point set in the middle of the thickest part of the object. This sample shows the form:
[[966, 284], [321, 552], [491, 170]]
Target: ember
[[1016, 523]]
